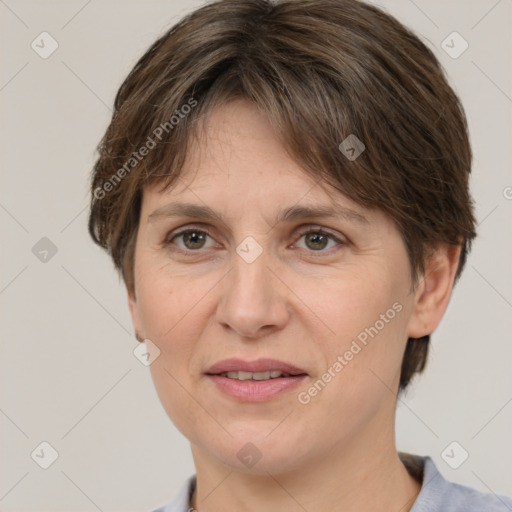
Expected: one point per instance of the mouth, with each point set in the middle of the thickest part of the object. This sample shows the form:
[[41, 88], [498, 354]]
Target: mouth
[[255, 381], [261, 369], [241, 375]]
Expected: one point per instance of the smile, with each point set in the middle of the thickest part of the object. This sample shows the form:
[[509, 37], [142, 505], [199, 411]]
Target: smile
[[240, 375]]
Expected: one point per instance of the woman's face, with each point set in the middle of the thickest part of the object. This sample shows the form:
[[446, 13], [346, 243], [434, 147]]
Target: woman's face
[[253, 284]]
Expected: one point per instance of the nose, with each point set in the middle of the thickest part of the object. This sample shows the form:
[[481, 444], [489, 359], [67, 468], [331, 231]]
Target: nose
[[254, 300]]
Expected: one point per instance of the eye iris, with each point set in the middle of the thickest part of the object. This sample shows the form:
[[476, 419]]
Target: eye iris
[[196, 239], [192, 236], [315, 237]]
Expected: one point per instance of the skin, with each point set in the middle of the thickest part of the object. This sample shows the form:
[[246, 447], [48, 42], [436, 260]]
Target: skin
[[301, 301]]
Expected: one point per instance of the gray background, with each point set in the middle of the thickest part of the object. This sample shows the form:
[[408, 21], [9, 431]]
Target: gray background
[[68, 373]]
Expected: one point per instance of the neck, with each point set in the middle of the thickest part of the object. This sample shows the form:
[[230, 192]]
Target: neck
[[340, 480]]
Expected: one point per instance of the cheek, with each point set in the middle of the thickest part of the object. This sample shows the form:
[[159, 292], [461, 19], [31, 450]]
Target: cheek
[[352, 301], [362, 359], [167, 301], [173, 316], [367, 316]]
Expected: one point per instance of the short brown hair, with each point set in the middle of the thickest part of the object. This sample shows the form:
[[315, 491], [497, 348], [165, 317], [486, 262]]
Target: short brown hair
[[321, 70]]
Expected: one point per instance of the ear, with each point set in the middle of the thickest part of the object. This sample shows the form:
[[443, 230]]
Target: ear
[[135, 314], [434, 290]]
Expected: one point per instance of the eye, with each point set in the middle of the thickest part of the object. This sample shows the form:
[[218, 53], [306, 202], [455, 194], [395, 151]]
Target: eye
[[318, 239], [193, 239]]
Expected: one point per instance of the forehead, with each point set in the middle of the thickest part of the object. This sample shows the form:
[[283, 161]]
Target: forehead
[[236, 136], [236, 165], [237, 147]]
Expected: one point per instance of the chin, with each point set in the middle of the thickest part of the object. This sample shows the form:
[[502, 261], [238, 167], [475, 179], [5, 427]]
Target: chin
[[258, 454]]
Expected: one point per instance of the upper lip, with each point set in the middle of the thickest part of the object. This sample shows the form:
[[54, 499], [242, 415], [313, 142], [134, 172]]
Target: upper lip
[[260, 365]]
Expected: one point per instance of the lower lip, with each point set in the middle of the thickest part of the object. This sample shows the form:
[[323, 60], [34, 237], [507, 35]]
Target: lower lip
[[256, 390]]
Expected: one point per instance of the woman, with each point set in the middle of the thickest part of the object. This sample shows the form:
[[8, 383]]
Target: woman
[[284, 188]]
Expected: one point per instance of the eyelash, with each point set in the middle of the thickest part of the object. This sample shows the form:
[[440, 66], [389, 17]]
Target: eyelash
[[319, 231]]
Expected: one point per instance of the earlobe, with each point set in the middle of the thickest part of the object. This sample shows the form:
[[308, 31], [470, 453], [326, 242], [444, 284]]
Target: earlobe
[[134, 312], [434, 291]]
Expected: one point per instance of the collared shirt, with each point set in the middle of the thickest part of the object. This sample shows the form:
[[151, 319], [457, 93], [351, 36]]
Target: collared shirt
[[436, 495]]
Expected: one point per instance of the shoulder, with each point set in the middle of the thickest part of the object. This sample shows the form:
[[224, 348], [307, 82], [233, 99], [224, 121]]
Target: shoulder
[[181, 502], [438, 494], [458, 498]]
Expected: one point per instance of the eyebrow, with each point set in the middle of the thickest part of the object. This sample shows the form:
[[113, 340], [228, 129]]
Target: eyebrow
[[204, 212]]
